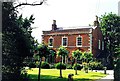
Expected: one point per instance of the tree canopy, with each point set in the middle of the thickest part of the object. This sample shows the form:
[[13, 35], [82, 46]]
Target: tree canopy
[[77, 54], [110, 26], [17, 42], [62, 51]]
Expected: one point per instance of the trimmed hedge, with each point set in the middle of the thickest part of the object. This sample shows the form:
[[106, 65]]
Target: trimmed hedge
[[45, 65], [69, 66], [79, 66], [60, 66], [95, 66], [32, 65]]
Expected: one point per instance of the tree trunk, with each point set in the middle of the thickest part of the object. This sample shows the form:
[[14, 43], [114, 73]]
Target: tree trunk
[[60, 72], [60, 68], [76, 66], [39, 70]]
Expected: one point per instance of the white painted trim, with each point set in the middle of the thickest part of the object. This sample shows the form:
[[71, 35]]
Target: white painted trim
[[49, 41], [90, 42]]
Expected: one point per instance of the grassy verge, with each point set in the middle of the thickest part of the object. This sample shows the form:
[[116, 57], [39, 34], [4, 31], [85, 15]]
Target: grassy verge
[[53, 75]]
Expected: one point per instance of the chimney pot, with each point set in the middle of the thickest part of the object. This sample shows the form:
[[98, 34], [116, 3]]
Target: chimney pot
[[96, 22]]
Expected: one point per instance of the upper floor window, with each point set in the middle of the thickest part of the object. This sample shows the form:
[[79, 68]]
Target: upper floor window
[[79, 41], [64, 41], [50, 42]]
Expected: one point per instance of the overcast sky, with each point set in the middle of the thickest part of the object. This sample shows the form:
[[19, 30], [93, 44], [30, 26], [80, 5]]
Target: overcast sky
[[67, 13]]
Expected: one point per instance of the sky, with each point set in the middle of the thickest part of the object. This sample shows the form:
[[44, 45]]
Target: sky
[[67, 13]]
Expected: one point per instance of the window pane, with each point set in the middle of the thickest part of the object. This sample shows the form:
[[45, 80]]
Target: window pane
[[64, 41], [50, 42], [79, 41]]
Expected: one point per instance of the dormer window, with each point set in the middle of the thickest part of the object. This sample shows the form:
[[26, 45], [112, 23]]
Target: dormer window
[[79, 41], [50, 42]]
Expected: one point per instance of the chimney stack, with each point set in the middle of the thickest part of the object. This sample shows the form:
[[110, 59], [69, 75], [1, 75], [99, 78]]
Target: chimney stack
[[96, 22], [54, 26]]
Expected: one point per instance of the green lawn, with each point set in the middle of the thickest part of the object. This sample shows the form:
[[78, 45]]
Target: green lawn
[[53, 75]]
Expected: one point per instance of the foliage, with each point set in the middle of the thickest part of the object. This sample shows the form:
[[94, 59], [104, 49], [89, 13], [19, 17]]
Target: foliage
[[87, 56], [43, 50], [60, 66], [117, 71], [52, 66], [79, 66], [69, 66], [95, 65], [45, 65], [77, 54], [110, 26], [17, 42], [62, 51], [31, 65]]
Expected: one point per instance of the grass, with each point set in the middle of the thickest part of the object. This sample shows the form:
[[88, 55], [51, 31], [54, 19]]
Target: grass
[[53, 75]]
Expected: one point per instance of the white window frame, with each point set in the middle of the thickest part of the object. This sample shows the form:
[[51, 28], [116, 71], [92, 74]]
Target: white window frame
[[49, 41], [66, 41], [77, 41], [99, 44]]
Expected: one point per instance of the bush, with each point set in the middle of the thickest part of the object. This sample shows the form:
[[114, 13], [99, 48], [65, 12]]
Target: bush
[[117, 71], [69, 66], [32, 65], [60, 66], [45, 65], [95, 65], [52, 66], [79, 66]]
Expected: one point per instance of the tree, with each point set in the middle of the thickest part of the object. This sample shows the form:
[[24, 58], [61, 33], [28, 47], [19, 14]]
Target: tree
[[87, 56], [62, 51], [42, 51], [76, 54], [110, 26], [52, 56], [17, 42]]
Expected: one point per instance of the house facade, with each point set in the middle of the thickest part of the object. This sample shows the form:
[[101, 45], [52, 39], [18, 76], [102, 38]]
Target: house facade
[[86, 39]]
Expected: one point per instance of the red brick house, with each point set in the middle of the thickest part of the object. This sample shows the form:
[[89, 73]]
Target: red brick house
[[87, 38]]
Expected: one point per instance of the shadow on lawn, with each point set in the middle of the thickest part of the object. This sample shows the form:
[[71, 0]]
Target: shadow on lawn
[[33, 77]]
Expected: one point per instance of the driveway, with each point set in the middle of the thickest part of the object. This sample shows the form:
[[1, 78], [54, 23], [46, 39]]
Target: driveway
[[109, 77]]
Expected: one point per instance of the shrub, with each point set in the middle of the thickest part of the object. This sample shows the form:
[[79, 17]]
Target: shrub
[[45, 65], [95, 65], [69, 66], [37, 64], [52, 66], [32, 65], [79, 66], [60, 66], [117, 71]]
